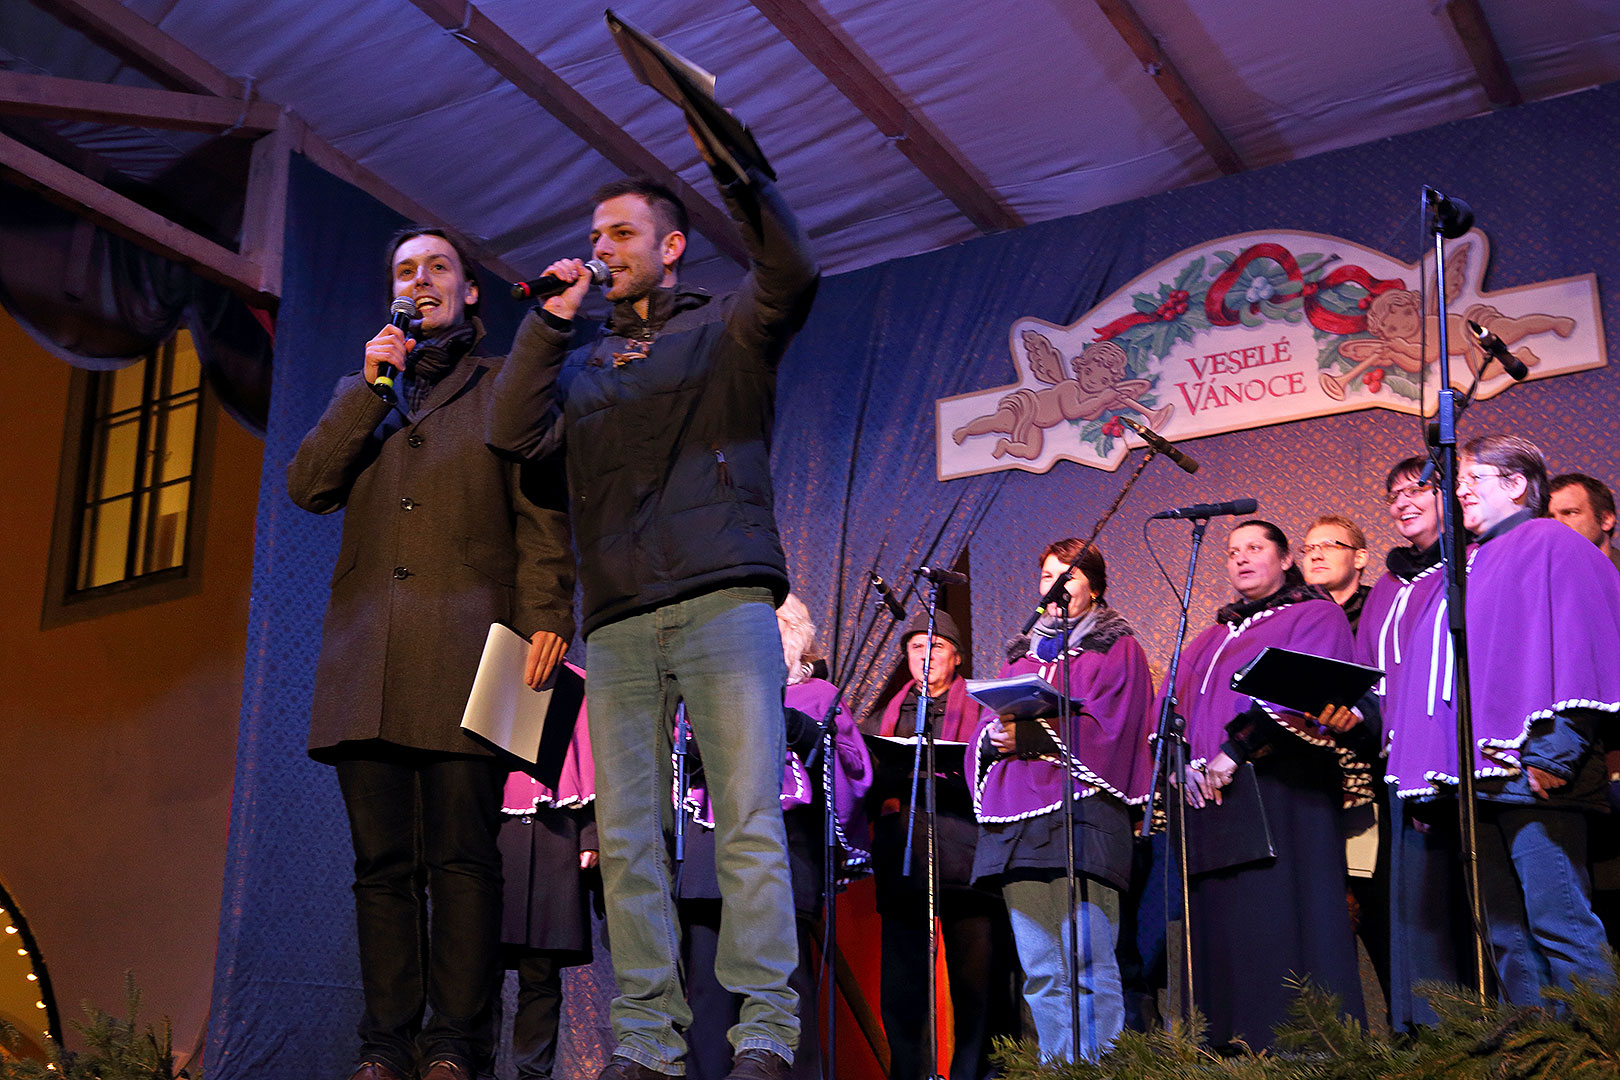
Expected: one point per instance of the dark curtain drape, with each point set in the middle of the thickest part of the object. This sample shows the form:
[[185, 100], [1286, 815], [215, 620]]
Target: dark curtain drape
[[98, 301]]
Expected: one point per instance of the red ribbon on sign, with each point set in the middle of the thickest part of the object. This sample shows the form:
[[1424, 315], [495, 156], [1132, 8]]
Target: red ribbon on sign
[[1333, 322]]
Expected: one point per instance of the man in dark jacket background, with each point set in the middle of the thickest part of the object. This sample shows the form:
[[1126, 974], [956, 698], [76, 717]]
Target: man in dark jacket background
[[441, 537], [668, 418]]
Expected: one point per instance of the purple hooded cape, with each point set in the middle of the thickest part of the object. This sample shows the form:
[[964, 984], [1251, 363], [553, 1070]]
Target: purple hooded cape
[[1204, 685], [852, 767], [1111, 750], [1543, 627], [576, 786], [1403, 631]]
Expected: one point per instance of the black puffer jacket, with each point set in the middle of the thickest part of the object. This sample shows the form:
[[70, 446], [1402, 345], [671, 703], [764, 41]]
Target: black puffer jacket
[[669, 453]]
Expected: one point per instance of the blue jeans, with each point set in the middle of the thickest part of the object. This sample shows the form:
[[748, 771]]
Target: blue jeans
[[1538, 900], [1041, 929], [722, 654]]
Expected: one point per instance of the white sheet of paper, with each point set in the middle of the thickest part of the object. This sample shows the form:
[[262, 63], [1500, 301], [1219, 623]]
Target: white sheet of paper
[[501, 707]]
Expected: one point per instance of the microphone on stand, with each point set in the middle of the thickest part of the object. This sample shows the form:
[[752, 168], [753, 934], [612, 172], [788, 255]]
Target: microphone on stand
[[1054, 595], [1232, 508], [1161, 444], [401, 313], [1496, 347], [1452, 217], [550, 284], [940, 576], [886, 593]]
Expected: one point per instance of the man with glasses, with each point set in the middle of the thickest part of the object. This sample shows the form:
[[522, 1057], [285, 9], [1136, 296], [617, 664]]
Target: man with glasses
[[1543, 616], [1332, 557]]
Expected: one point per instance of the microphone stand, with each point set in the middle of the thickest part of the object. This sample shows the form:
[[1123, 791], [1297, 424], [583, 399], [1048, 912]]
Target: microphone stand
[[682, 777], [923, 757], [1172, 733], [1453, 553], [832, 840]]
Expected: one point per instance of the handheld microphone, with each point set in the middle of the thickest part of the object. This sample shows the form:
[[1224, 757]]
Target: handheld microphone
[[401, 313], [1232, 508], [940, 576], [550, 284], [1161, 444], [1496, 347], [886, 592]]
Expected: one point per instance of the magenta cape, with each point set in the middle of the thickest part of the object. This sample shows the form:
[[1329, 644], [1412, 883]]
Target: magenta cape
[[1204, 684], [961, 716], [1543, 630], [852, 765], [576, 786], [1403, 631], [1111, 751]]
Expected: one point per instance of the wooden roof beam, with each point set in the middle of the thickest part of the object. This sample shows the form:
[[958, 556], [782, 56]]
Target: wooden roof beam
[[168, 60], [56, 98], [495, 47], [129, 219], [825, 44], [1490, 66], [1130, 26]]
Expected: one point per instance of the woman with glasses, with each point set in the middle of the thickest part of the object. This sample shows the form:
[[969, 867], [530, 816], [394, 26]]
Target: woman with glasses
[[1258, 924], [1403, 632]]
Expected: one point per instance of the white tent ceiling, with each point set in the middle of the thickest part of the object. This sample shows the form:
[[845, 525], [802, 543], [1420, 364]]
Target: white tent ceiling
[[1039, 108]]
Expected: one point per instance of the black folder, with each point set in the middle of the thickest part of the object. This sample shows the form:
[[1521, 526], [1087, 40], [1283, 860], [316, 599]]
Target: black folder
[[1303, 682], [689, 86], [1233, 833], [1018, 697]]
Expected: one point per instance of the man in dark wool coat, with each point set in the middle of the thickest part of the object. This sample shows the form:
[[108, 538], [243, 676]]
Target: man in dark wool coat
[[441, 538], [668, 414]]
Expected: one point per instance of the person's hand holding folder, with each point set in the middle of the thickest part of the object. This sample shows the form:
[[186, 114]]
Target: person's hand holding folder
[[1205, 784], [545, 651]]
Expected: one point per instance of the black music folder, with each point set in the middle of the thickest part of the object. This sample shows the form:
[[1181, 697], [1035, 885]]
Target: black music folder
[[1233, 833], [1303, 682], [692, 88]]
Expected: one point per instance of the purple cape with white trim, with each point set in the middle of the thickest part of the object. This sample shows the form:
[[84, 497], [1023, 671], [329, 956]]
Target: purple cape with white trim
[[1111, 750], [576, 784], [1543, 619], [1404, 631], [1204, 684]]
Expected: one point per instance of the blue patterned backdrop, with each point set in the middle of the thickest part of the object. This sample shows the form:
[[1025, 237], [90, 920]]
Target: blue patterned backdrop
[[855, 472]]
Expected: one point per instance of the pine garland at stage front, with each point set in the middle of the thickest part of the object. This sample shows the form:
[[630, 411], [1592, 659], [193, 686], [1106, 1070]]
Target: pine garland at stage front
[[1472, 1042], [114, 1048]]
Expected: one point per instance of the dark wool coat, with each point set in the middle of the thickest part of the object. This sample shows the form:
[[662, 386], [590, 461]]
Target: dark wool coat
[[442, 537]]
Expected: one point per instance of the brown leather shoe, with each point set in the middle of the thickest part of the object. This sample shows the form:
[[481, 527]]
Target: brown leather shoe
[[445, 1069], [757, 1064], [622, 1068], [375, 1070]]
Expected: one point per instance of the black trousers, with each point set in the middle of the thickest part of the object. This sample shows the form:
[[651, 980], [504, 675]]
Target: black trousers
[[981, 959], [424, 827]]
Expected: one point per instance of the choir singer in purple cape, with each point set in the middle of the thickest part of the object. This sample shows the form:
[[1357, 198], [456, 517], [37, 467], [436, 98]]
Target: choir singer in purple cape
[[1543, 617], [1018, 778], [1257, 925]]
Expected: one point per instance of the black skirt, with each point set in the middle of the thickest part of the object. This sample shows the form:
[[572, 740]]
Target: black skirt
[[548, 897]]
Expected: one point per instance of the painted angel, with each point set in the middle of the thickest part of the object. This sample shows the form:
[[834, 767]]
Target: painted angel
[[1097, 386]]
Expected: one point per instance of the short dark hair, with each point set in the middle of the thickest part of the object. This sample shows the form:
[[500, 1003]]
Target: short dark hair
[[1515, 456], [1293, 575], [458, 243], [1085, 557], [1597, 492], [1413, 465], [669, 213]]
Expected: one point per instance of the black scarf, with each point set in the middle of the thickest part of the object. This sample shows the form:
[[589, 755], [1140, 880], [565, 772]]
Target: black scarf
[[1239, 610], [1407, 563], [433, 360]]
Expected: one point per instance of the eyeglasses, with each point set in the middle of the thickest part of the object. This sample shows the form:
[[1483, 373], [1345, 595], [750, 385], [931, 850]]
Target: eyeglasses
[[1472, 478], [1408, 491], [1324, 545]]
